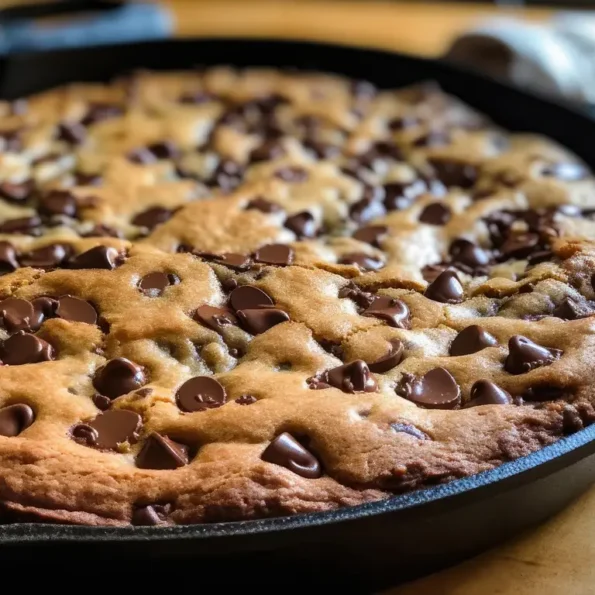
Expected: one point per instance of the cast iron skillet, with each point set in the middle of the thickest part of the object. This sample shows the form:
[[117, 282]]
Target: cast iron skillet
[[364, 546]]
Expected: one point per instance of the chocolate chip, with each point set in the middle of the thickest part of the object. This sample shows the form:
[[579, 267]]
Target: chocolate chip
[[76, 310], [404, 122], [72, 133], [23, 348], [17, 192], [141, 156], [390, 310], [568, 309], [246, 400], [409, 429], [566, 171], [16, 314], [58, 202], [164, 150], [238, 262], [380, 151], [454, 173], [248, 297], [302, 224], [524, 355], [215, 318], [85, 179], [100, 230], [436, 389], [399, 196], [102, 402], [100, 257], [8, 258], [446, 288], [118, 377], [471, 340], [321, 150], [14, 419], [151, 515], [468, 256], [372, 234], [434, 138], [287, 452], [435, 213], [274, 254], [369, 207], [431, 272], [353, 377], [154, 284], [200, 393], [484, 392], [25, 225], [519, 245], [109, 429], [152, 217], [392, 358], [98, 112], [292, 174], [195, 98], [47, 257], [43, 307], [227, 175], [545, 392], [160, 452], [263, 205], [365, 262], [260, 320], [267, 151]]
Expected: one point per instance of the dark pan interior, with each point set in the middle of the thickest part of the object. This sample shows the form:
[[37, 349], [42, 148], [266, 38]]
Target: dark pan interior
[[390, 540]]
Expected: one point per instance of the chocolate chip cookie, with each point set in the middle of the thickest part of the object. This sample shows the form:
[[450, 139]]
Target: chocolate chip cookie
[[228, 295]]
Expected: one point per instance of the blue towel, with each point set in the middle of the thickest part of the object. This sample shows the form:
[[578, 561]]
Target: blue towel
[[126, 23]]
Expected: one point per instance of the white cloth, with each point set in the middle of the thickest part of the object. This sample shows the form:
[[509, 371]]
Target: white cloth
[[556, 57]]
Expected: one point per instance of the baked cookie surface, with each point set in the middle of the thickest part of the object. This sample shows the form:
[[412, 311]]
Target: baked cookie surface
[[232, 294]]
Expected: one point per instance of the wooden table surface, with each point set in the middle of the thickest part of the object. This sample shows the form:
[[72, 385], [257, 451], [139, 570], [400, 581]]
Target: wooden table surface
[[557, 558]]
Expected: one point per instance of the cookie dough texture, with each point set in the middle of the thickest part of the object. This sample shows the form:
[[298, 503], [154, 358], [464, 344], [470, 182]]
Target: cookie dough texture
[[232, 294]]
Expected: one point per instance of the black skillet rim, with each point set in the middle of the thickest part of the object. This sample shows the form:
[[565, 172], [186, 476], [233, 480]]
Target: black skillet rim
[[545, 461]]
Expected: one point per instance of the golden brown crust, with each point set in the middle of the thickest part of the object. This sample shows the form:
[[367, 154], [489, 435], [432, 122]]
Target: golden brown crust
[[398, 219]]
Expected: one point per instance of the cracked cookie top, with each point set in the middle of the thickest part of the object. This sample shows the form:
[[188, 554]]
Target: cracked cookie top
[[236, 294]]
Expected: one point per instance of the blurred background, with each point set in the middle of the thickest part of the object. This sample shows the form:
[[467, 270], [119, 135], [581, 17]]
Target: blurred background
[[545, 45]]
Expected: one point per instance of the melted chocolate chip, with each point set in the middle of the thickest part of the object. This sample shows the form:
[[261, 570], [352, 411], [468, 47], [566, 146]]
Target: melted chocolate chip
[[99, 112], [391, 310], [152, 217], [102, 402], [24, 225], [263, 205], [400, 196], [524, 355], [118, 377], [14, 419], [287, 452], [100, 257], [17, 192], [365, 262], [151, 515], [164, 150], [436, 389], [274, 254], [302, 224], [247, 297], [353, 377], [260, 320], [353, 292], [76, 310], [568, 309], [109, 429], [47, 257], [154, 284], [454, 173], [160, 452], [392, 358], [267, 151], [471, 340], [8, 258], [372, 234], [72, 133], [227, 175], [468, 256], [16, 314], [367, 208], [435, 213], [200, 393], [246, 400], [58, 202], [215, 318], [484, 392], [446, 288], [23, 348], [519, 245]]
